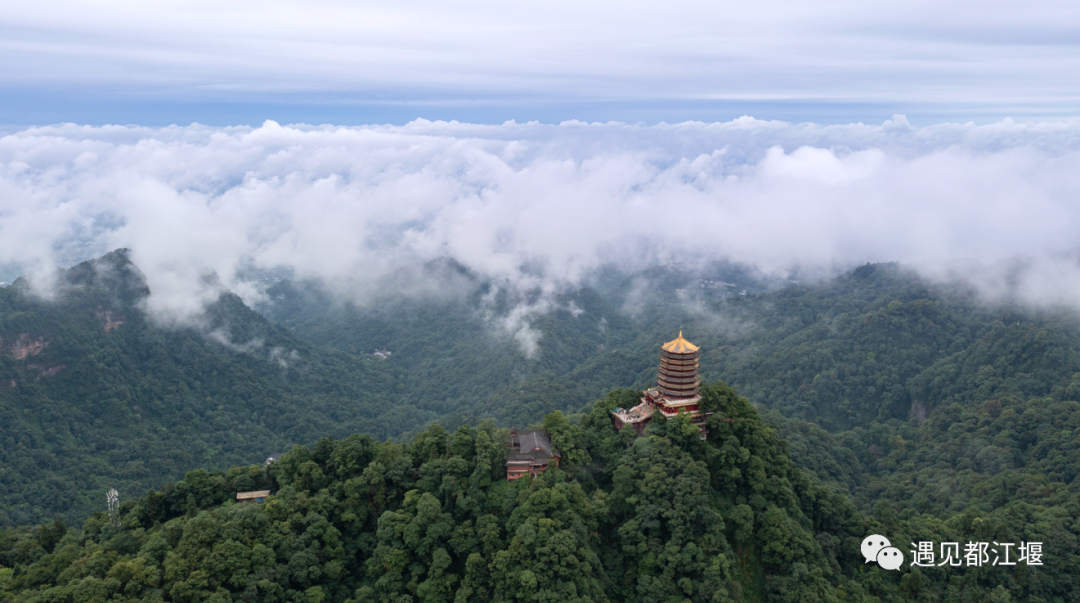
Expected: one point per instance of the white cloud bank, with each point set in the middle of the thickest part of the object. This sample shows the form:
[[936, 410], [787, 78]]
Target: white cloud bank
[[539, 205]]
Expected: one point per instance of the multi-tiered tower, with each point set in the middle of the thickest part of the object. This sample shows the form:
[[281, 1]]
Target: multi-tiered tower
[[678, 389], [678, 377]]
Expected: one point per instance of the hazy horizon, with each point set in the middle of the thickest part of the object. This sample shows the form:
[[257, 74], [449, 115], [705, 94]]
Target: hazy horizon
[[328, 62]]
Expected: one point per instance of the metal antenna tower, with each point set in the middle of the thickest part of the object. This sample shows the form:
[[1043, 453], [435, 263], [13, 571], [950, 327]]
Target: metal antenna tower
[[113, 498]]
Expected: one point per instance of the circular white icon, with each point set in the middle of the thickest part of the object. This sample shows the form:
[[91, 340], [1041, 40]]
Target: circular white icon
[[890, 558], [872, 544]]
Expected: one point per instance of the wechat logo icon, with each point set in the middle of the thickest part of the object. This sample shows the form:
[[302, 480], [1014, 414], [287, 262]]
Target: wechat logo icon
[[877, 548]]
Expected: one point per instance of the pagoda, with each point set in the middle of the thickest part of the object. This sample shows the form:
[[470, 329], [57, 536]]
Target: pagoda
[[678, 389]]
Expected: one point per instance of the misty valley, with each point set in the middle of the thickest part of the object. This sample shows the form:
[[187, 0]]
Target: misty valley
[[876, 400], [507, 302]]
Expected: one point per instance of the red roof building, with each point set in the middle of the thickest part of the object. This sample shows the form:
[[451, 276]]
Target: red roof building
[[530, 453]]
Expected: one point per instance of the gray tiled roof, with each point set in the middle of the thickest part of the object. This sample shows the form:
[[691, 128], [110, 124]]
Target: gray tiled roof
[[532, 444], [534, 439]]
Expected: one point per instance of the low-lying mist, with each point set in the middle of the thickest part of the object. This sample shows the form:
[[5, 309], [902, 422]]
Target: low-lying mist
[[538, 209]]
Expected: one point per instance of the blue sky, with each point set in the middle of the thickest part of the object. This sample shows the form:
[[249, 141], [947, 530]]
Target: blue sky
[[485, 62]]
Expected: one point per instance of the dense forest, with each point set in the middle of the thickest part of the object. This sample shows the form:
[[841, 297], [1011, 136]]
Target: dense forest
[[95, 395], [875, 402], [867, 346], [660, 517]]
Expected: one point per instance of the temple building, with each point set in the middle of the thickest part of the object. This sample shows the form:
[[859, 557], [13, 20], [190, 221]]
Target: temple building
[[257, 496], [530, 453], [678, 388]]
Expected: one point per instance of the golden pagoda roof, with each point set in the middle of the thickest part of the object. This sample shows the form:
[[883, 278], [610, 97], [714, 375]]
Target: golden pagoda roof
[[679, 346]]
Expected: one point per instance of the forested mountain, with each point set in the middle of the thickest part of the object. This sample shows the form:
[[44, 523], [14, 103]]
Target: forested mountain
[[660, 517], [624, 519], [461, 354], [867, 346], [94, 395], [909, 407], [103, 396]]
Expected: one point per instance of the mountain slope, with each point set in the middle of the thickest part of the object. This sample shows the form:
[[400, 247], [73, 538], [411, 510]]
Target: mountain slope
[[874, 344], [661, 517], [463, 355], [104, 397], [94, 395], [664, 517]]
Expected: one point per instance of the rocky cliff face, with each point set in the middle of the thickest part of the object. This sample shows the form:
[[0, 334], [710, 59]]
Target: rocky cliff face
[[27, 345]]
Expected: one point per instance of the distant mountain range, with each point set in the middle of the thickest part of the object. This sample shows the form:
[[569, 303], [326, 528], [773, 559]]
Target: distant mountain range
[[94, 394]]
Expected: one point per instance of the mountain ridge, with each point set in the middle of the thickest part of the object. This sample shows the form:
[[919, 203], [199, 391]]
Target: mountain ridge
[[104, 397], [878, 348]]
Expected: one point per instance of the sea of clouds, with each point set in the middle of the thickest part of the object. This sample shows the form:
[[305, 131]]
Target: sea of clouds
[[540, 206]]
